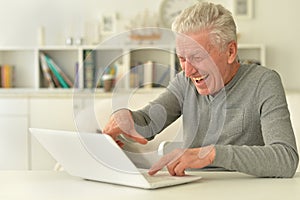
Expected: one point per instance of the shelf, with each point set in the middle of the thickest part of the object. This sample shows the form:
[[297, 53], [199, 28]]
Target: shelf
[[71, 60], [252, 52]]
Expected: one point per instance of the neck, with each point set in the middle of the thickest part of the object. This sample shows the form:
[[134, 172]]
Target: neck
[[234, 67]]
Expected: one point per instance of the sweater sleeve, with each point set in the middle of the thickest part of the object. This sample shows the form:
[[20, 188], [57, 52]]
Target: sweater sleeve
[[161, 112], [279, 156]]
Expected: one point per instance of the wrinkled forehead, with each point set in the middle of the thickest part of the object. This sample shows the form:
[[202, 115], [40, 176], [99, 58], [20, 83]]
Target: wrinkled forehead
[[186, 46]]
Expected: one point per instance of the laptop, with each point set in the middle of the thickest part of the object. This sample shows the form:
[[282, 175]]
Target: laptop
[[97, 157]]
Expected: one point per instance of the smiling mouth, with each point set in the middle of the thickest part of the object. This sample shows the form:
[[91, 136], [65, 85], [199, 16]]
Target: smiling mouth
[[199, 79]]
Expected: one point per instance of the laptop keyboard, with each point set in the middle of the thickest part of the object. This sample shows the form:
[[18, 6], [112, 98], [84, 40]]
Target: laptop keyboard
[[162, 176]]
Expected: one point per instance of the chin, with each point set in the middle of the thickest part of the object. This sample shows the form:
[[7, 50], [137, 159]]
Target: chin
[[203, 92]]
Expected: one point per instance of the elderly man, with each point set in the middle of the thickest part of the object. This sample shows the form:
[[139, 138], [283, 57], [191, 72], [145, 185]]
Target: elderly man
[[235, 116]]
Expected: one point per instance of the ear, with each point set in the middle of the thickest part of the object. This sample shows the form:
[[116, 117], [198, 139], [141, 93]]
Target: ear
[[231, 52]]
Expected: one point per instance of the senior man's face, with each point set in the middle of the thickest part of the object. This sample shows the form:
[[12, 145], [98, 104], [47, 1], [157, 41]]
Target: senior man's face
[[204, 64]]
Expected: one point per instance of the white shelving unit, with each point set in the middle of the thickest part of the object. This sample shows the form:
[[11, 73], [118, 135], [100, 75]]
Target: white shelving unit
[[28, 74]]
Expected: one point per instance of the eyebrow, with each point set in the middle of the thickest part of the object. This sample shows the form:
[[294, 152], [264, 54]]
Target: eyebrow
[[204, 53]]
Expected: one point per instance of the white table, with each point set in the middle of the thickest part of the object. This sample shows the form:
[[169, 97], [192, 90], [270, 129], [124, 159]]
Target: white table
[[52, 185]]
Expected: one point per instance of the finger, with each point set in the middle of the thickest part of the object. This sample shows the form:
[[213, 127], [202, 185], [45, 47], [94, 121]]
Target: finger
[[171, 168], [121, 144], [153, 172], [112, 130], [136, 137], [164, 161], [113, 135], [179, 169], [156, 167]]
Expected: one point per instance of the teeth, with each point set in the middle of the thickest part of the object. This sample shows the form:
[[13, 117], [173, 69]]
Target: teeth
[[200, 78]]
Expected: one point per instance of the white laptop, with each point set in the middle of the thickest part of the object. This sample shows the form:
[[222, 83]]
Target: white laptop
[[97, 157]]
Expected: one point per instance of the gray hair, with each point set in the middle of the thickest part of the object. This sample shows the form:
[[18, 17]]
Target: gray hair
[[214, 18]]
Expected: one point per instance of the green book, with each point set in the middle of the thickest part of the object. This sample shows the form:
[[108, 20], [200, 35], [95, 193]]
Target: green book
[[55, 72]]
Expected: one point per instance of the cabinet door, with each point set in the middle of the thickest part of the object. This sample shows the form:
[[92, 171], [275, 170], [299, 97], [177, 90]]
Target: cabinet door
[[13, 143], [49, 113], [13, 134]]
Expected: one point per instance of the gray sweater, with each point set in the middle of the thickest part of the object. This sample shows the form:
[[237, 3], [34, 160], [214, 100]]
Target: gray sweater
[[248, 122]]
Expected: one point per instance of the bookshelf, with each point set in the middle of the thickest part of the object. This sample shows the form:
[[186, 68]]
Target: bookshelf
[[28, 73], [24, 62]]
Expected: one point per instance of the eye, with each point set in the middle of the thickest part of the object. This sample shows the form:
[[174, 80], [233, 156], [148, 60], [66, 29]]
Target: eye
[[196, 58]]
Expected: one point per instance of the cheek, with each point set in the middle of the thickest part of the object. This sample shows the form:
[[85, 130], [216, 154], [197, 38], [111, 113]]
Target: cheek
[[220, 67], [219, 74]]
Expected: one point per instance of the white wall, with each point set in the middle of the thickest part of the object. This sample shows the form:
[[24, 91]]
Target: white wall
[[275, 23], [20, 19]]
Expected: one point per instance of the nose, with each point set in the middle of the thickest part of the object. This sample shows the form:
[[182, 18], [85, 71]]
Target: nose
[[189, 69]]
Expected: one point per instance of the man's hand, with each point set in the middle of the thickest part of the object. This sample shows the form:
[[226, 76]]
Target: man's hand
[[181, 159], [121, 122]]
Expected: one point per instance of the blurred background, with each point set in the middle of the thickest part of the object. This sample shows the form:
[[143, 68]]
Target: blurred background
[[272, 23]]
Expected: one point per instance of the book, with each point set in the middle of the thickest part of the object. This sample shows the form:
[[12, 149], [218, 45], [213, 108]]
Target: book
[[89, 68], [7, 76], [64, 76], [136, 74], [148, 74], [55, 80], [58, 77], [77, 76], [55, 72], [46, 72]]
